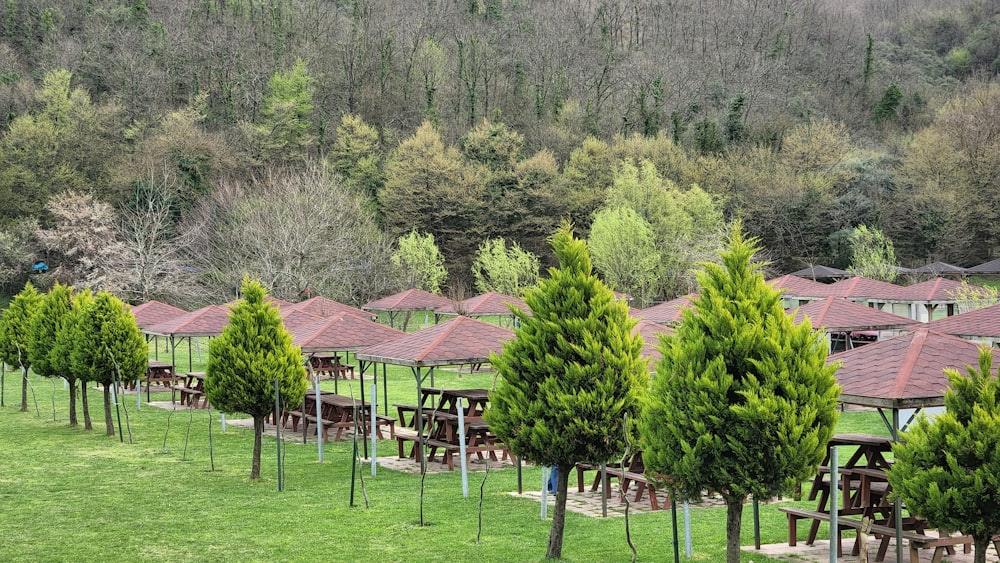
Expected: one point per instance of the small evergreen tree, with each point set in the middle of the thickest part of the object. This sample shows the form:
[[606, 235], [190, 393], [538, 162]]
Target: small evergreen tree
[[570, 375], [743, 402], [948, 468], [71, 340], [15, 334], [60, 307], [109, 347], [254, 350]]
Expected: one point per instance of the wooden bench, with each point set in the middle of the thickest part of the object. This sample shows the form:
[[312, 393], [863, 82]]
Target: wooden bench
[[403, 435], [917, 541]]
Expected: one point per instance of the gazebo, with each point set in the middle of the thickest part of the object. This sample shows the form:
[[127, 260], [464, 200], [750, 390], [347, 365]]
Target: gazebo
[[344, 332], [490, 304], [874, 293], [668, 312], [937, 269], [905, 372], [325, 307], [991, 268], [407, 302], [817, 272], [457, 341], [207, 321], [840, 316], [154, 312], [931, 294], [980, 325]]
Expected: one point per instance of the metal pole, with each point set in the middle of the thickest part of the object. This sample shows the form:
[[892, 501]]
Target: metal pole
[[461, 446], [319, 419], [520, 482], [362, 427], [677, 543], [898, 504], [545, 491], [688, 549], [385, 389], [374, 411], [756, 523], [834, 510], [223, 417], [604, 490], [277, 413]]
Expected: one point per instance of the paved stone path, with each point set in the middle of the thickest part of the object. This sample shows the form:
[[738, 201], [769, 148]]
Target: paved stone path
[[819, 552]]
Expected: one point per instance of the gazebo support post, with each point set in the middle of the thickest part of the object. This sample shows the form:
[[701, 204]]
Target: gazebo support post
[[420, 419], [364, 427], [385, 389]]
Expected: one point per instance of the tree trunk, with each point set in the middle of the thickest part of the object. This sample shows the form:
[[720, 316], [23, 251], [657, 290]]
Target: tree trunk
[[86, 406], [107, 411], [72, 402], [258, 432], [559, 514], [734, 520], [982, 544], [24, 389]]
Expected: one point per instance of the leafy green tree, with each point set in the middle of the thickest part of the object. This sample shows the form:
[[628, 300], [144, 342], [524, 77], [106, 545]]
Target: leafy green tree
[[253, 351], [71, 340], [420, 262], [109, 347], [872, 255], [571, 376], [429, 189], [886, 107], [15, 334], [504, 270], [585, 180], [284, 132], [18, 249], [948, 468], [357, 157], [53, 312], [742, 402], [625, 252]]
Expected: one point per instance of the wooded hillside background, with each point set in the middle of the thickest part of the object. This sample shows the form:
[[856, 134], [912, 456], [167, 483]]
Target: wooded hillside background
[[211, 128]]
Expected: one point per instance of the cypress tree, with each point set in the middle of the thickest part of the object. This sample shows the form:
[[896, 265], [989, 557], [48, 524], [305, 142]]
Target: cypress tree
[[570, 375], [109, 347], [52, 313], [15, 334], [71, 339], [948, 469], [254, 350], [742, 402]]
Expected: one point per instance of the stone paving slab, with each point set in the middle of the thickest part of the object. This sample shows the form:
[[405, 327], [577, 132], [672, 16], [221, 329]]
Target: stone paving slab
[[819, 552]]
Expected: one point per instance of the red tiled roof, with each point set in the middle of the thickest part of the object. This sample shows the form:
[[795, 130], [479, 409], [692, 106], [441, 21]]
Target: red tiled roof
[[294, 318], [491, 303], [325, 307], [651, 332], [668, 312], [409, 300], [207, 321], [280, 303], [904, 371], [342, 332], [154, 312], [460, 340], [857, 288], [840, 315], [936, 289], [794, 285], [980, 323]]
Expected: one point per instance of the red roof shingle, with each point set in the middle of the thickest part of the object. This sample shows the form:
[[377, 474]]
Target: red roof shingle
[[460, 340], [409, 300], [840, 315], [487, 304], [207, 321], [154, 312], [980, 323], [342, 332]]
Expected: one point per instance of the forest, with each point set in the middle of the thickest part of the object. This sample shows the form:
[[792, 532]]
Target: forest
[[166, 149]]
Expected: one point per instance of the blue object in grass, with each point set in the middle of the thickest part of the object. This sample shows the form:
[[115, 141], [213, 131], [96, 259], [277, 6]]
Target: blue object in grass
[[40, 267], [553, 484]]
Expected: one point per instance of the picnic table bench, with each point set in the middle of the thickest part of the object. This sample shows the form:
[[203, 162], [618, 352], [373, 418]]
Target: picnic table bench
[[338, 412], [191, 388], [634, 472]]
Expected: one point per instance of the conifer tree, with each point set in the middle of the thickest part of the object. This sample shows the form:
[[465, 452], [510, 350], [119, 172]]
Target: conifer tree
[[53, 312], [71, 341], [742, 402], [948, 468], [15, 330], [109, 347], [570, 375], [254, 350]]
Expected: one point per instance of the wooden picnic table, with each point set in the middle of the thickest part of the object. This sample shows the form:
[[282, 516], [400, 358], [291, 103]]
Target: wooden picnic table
[[191, 387], [329, 365], [864, 490], [338, 412], [159, 372]]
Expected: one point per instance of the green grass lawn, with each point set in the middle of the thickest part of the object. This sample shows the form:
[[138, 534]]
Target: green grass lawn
[[68, 494]]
